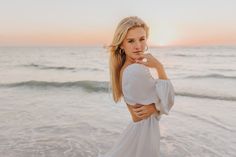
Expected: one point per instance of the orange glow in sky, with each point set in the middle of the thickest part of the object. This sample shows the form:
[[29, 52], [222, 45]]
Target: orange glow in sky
[[183, 22]]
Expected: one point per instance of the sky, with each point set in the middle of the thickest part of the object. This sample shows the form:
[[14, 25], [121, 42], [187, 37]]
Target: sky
[[93, 22]]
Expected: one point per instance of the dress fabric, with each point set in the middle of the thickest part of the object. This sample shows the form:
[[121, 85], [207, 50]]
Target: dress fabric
[[142, 138]]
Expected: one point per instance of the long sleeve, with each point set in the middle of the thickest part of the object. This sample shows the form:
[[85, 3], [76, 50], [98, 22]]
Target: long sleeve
[[139, 87], [166, 94]]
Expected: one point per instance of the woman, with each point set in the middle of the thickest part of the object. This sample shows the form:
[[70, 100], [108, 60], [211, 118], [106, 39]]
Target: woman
[[146, 98]]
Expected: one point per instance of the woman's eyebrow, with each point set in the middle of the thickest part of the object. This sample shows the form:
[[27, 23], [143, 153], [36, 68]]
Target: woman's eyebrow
[[134, 38]]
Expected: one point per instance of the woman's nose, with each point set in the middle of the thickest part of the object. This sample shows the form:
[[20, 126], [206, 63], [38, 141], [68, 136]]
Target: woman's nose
[[137, 46]]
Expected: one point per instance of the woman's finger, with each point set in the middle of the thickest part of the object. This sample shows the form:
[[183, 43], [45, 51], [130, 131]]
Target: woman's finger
[[140, 109], [141, 113], [144, 116], [137, 109], [141, 62]]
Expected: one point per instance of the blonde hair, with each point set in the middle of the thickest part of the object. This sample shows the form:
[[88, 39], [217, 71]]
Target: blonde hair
[[117, 57]]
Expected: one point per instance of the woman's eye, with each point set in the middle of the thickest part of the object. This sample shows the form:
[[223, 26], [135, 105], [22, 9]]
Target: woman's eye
[[142, 39], [130, 41]]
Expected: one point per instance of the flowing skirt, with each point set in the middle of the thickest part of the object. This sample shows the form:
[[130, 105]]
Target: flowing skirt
[[139, 139]]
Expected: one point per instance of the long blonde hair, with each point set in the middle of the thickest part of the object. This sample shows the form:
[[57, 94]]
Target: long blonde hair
[[117, 55]]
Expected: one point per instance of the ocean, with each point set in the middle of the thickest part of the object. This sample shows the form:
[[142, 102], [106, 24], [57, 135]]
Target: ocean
[[56, 102]]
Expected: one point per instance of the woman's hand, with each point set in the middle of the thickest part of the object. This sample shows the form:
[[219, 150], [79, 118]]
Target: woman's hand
[[144, 111], [151, 61]]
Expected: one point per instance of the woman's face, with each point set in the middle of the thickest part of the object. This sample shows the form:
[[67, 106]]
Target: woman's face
[[134, 43]]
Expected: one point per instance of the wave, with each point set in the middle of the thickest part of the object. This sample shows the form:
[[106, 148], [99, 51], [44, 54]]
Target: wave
[[45, 67], [185, 55], [89, 86], [48, 67], [204, 55], [227, 98], [212, 76], [225, 55], [222, 69], [96, 86]]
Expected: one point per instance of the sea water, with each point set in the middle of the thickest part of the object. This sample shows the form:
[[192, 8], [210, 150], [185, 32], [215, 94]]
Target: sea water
[[56, 102]]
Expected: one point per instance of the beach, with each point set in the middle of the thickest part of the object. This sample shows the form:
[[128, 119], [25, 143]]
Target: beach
[[56, 101]]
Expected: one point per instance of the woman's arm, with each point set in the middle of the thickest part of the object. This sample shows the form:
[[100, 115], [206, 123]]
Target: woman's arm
[[161, 71], [134, 116], [144, 111], [139, 112]]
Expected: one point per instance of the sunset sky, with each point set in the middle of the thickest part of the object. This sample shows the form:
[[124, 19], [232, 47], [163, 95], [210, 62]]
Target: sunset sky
[[93, 22]]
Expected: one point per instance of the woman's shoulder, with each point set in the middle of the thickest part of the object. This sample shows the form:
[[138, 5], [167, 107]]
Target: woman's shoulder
[[135, 69]]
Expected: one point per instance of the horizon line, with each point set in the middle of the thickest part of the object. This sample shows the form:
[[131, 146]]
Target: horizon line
[[105, 46]]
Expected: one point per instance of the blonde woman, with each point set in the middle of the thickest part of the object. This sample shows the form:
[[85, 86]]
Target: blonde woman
[[146, 98]]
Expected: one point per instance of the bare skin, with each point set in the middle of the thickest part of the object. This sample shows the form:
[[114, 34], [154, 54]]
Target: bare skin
[[134, 45]]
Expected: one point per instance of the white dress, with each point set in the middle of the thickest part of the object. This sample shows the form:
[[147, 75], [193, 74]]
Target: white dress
[[142, 138]]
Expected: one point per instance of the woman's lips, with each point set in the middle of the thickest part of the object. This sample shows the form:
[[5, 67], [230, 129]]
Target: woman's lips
[[137, 55], [137, 52]]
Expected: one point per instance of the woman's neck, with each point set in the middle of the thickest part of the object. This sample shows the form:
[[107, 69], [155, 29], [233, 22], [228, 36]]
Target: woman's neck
[[129, 61]]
